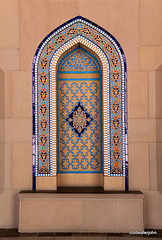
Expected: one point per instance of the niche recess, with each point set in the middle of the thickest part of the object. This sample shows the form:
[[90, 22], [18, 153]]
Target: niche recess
[[104, 49]]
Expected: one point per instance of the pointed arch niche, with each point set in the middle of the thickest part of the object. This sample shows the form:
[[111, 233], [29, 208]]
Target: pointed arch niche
[[113, 108]]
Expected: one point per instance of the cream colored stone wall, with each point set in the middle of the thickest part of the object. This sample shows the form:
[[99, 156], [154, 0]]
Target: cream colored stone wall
[[2, 135], [137, 25], [158, 84]]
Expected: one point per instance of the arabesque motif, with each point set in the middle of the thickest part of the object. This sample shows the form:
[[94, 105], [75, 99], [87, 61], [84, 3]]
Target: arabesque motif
[[112, 50], [78, 61], [79, 119]]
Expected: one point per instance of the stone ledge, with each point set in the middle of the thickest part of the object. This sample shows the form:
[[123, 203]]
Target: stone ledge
[[80, 212]]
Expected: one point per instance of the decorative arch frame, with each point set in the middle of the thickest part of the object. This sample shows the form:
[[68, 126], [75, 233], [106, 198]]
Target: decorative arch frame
[[114, 88]]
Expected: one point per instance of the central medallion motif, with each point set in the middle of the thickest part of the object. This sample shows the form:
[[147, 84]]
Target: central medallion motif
[[79, 119]]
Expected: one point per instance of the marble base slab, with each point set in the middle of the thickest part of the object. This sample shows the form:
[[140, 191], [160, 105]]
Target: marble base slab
[[80, 212]]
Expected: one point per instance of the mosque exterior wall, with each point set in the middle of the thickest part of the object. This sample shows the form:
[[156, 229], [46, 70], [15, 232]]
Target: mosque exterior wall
[[136, 25]]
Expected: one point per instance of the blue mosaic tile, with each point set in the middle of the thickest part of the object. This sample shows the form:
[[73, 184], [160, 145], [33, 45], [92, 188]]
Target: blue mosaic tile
[[117, 88]]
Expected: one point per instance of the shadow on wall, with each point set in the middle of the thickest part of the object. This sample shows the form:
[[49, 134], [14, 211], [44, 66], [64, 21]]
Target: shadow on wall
[[2, 129], [158, 91]]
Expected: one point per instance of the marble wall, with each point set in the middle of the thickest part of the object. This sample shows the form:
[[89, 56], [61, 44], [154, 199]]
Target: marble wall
[[136, 25]]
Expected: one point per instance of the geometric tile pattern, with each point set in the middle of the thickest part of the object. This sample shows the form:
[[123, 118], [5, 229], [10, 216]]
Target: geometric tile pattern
[[90, 46], [79, 115], [80, 153], [79, 61], [79, 119], [117, 129]]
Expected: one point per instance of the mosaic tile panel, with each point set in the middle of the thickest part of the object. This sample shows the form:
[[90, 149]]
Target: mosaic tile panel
[[79, 119], [78, 61], [80, 152], [118, 115], [105, 82]]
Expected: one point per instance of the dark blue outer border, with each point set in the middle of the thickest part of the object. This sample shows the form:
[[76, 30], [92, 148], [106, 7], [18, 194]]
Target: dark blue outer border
[[33, 84]]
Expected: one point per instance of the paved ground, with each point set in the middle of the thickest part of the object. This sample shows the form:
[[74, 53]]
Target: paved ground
[[13, 234]]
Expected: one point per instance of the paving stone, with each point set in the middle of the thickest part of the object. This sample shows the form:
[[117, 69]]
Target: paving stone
[[81, 238], [133, 237], [28, 238]]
